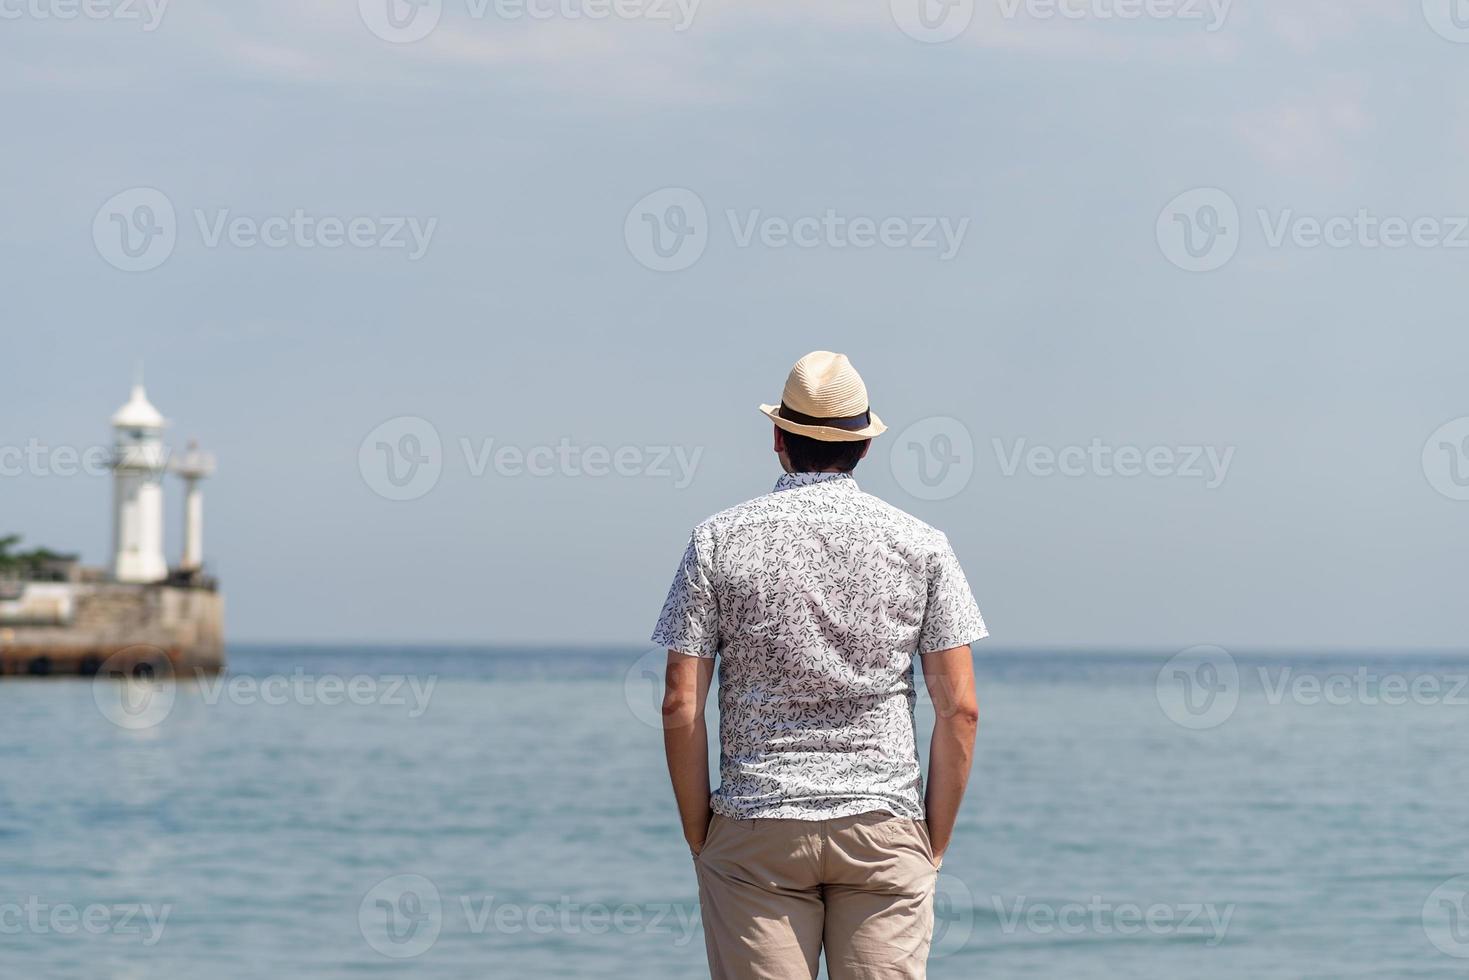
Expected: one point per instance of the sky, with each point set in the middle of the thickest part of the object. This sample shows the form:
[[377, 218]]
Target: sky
[[475, 300]]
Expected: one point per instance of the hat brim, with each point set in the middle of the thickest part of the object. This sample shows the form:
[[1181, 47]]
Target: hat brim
[[826, 433]]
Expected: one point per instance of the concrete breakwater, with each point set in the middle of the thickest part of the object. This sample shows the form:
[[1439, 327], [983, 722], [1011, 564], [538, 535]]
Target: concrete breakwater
[[58, 629]]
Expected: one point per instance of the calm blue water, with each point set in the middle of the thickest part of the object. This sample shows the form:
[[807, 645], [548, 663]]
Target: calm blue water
[[513, 820]]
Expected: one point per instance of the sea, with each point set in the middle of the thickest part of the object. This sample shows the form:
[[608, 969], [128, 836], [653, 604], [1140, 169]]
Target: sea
[[460, 812]]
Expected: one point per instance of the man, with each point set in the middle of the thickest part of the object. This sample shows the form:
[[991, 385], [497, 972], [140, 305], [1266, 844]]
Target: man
[[815, 598]]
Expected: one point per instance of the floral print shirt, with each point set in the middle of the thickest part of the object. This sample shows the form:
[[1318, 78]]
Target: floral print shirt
[[815, 598]]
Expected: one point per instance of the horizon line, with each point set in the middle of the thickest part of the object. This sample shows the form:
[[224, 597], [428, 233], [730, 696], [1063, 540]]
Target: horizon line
[[588, 646]]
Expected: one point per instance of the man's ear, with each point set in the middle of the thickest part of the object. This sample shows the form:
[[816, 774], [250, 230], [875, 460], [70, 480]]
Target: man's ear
[[865, 446], [780, 439]]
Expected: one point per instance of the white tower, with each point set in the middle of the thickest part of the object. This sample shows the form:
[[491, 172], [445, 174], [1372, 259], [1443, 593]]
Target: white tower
[[194, 467], [138, 463]]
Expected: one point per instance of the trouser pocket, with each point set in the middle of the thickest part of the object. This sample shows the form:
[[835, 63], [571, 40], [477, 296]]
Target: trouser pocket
[[714, 823], [922, 826]]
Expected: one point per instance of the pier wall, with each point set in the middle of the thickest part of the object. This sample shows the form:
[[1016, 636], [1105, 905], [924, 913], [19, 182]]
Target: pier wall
[[59, 629]]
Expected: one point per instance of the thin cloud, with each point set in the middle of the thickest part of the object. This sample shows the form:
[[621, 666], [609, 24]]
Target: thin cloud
[[1317, 132]]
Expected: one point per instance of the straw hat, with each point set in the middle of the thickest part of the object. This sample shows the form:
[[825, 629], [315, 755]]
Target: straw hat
[[825, 399]]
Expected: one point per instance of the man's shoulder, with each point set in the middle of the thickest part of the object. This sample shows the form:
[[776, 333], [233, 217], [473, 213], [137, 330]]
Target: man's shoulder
[[863, 508], [905, 523], [754, 509]]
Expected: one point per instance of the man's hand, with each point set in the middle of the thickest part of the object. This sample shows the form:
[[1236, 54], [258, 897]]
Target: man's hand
[[949, 676], [698, 845], [686, 741]]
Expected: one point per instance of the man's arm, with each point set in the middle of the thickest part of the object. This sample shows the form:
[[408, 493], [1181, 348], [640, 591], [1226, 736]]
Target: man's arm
[[949, 676], [686, 741]]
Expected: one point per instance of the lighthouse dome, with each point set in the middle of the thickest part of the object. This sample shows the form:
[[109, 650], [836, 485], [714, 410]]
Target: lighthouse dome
[[138, 413]]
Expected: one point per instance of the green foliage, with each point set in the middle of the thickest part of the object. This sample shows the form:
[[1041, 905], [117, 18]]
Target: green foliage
[[23, 563]]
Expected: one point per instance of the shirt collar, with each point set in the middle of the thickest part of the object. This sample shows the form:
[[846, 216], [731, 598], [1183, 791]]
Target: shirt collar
[[790, 481]]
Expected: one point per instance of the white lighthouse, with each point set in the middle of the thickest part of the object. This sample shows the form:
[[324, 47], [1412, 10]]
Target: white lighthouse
[[138, 464]]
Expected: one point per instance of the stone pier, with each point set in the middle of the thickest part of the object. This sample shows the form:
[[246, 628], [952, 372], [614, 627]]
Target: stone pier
[[58, 629]]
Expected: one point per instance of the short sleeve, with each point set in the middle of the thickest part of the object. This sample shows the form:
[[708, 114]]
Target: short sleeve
[[689, 622], [951, 617]]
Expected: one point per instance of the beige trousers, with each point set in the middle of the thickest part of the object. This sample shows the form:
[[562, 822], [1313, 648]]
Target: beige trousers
[[774, 893]]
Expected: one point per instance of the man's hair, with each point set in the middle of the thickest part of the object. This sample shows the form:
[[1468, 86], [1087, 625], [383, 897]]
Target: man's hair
[[812, 455]]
